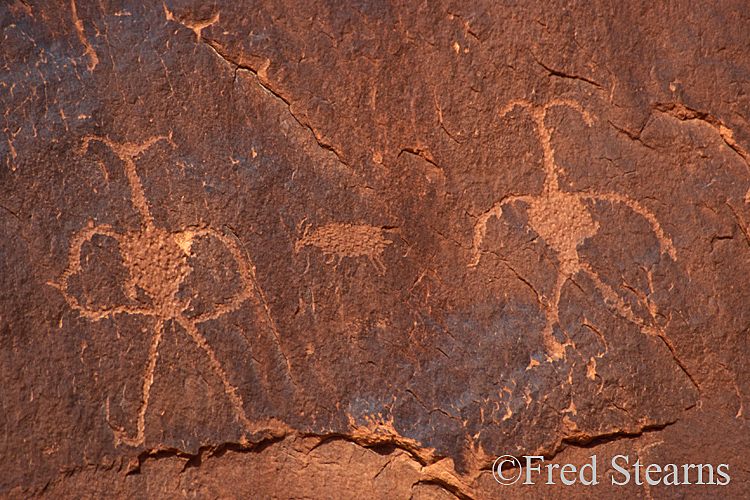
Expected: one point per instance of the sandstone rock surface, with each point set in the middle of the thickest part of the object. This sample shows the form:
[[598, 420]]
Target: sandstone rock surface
[[318, 249]]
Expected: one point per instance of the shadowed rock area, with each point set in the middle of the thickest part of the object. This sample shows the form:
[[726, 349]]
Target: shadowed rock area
[[330, 249]]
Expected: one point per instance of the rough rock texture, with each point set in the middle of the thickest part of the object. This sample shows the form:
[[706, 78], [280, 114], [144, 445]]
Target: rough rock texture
[[327, 249]]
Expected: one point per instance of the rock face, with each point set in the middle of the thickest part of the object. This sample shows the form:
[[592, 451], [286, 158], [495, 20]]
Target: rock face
[[361, 249]]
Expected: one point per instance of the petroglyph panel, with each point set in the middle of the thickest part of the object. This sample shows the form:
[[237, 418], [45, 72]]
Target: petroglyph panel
[[400, 239]]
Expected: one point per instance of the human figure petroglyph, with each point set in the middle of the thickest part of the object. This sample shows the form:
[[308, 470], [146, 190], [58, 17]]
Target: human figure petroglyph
[[157, 263], [562, 219]]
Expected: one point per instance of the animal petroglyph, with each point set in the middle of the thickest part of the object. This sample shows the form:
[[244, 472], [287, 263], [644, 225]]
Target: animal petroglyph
[[158, 265], [346, 240], [563, 220]]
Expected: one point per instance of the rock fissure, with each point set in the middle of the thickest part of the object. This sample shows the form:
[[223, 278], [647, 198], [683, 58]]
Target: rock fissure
[[685, 113], [562, 74], [265, 84]]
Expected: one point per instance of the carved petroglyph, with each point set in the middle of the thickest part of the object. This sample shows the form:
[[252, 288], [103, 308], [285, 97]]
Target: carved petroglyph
[[158, 263], [346, 240], [90, 52], [563, 220], [196, 26]]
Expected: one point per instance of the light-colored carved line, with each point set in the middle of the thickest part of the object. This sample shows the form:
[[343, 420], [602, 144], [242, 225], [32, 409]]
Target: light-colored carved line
[[572, 105], [250, 272], [148, 381], [480, 228], [136, 191], [74, 257], [243, 271], [229, 389], [612, 299], [512, 104], [376, 260], [538, 115], [127, 152], [263, 376], [116, 430], [665, 243], [551, 182], [74, 266], [111, 311], [552, 312], [90, 52]]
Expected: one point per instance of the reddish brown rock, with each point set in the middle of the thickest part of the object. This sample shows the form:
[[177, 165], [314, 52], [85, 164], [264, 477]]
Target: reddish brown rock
[[362, 249]]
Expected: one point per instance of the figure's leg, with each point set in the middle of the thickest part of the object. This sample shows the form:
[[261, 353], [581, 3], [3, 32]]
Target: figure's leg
[[148, 380], [611, 299], [620, 308], [251, 291], [377, 263], [555, 348], [231, 391]]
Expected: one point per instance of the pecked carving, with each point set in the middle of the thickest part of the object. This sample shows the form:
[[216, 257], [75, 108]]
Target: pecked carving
[[564, 221], [158, 264]]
